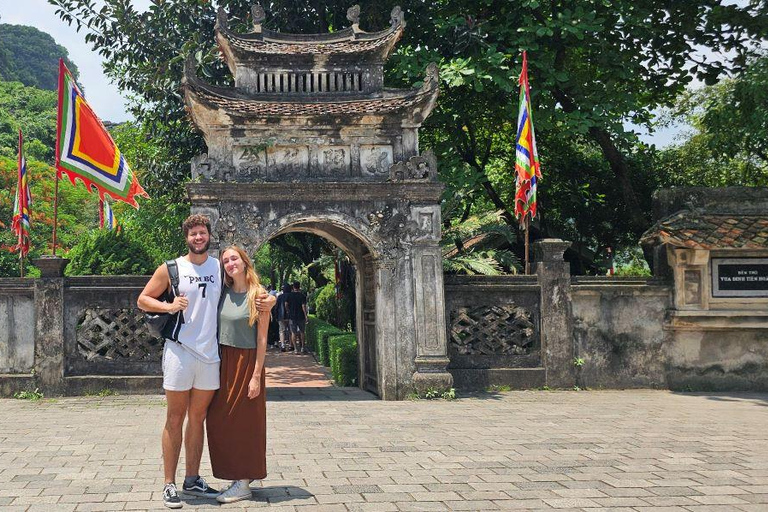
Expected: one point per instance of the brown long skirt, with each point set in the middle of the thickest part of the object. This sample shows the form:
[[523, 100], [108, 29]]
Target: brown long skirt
[[237, 425]]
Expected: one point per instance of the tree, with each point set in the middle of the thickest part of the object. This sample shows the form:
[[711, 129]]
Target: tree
[[34, 111], [595, 65], [30, 56], [728, 144]]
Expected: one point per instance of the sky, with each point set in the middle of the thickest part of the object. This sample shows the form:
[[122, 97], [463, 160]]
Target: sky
[[109, 103], [103, 96]]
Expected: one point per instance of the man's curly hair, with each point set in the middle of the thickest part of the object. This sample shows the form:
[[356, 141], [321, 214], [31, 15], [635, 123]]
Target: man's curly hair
[[196, 220]]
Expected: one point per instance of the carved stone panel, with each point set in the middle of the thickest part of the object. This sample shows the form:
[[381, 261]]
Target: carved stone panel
[[250, 161], [116, 335], [333, 161], [492, 330], [375, 160], [285, 163]]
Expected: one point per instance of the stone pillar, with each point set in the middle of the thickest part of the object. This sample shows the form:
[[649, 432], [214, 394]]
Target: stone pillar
[[386, 328], [557, 346], [49, 326], [429, 315]]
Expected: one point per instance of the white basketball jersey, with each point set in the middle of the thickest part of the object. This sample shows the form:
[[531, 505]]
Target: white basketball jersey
[[201, 285]]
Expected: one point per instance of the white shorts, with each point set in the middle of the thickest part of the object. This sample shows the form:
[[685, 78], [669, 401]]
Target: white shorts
[[183, 371]]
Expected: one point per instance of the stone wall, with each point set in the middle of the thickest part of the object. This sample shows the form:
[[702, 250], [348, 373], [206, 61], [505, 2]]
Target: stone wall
[[17, 326], [618, 332]]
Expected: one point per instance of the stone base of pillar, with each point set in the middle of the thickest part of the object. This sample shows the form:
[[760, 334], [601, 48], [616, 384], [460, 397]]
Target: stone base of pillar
[[431, 375]]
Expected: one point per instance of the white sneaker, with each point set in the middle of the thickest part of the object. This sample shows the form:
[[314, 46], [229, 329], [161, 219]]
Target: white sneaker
[[239, 490]]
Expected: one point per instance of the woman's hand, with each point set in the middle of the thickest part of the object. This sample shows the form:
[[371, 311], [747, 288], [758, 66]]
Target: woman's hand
[[265, 302], [254, 387]]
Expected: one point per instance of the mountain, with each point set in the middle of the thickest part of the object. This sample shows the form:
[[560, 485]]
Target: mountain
[[30, 56]]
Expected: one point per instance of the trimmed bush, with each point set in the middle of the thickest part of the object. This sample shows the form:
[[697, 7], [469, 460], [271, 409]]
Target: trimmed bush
[[343, 352], [317, 338], [109, 252], [335, 311]]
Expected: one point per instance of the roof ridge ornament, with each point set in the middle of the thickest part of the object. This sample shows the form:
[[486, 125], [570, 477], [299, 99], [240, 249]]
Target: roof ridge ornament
[[397, 17], [258, 15], [353, 15]]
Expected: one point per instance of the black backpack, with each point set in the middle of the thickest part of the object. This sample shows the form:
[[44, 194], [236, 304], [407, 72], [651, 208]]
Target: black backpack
[[167, 325]]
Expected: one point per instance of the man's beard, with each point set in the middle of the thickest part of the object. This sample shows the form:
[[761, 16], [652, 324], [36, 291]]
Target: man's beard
[[202, 250]]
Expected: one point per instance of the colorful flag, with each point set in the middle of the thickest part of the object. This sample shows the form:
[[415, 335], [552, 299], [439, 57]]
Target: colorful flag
[[85, 150], [20, 224], [526, 158], [106, 216]]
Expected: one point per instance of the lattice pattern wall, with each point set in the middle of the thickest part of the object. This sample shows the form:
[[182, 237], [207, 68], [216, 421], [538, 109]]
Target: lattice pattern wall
[[492, 330], [116, 334]]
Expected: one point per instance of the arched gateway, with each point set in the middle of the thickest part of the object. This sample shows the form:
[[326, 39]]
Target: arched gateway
[[308, 139]]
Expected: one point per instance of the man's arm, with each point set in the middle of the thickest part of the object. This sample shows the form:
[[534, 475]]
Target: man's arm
[[156, 286]]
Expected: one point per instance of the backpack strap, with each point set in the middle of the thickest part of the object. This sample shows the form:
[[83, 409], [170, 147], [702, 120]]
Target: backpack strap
[[173, 274]]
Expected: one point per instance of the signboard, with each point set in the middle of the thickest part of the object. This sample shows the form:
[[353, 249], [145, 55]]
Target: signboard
[[740, 277]]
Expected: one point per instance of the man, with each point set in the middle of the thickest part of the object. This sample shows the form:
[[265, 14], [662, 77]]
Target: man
[[296, 307], [282, 317], [190, 363]]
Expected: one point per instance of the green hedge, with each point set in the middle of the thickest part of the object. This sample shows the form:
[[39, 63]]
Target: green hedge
[[343, 352], [317, 338]]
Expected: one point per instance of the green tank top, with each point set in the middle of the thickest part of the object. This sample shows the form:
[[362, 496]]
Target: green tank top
[[234, 330]]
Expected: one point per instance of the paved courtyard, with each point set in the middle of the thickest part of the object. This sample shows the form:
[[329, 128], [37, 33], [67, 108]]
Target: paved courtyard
[[338, 449]]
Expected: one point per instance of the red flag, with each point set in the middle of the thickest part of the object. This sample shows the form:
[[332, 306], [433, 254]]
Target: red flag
[[21, 223]]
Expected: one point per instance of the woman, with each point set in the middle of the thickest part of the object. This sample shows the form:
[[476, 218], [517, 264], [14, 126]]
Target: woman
[[237, 417]]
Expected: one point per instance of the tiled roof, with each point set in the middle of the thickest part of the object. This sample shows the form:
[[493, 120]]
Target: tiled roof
[[235, 102], [696, 230], [346, 41]]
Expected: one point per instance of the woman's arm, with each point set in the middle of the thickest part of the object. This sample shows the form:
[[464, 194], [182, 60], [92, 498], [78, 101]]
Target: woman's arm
[[254, 386]]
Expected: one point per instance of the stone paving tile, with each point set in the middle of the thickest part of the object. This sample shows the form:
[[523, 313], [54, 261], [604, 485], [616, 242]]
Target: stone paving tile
[[631, 450]]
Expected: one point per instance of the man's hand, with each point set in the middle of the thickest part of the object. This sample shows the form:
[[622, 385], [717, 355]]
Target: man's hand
[[254, 388], [178, 304], [265, 302]]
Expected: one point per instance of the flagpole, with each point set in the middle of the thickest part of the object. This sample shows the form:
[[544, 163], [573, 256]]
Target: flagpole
[[19, 191], [527, 246], [58, 156]]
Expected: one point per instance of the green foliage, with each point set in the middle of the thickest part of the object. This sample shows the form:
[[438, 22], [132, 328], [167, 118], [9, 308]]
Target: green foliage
[[480, 245], [109, 252], [729, 142], [78, 213], [317, 335], [435, 394], [34, 111], [33, 396], [331, 309], [498, 388], [343, 358], [595, 67], [31, 57], [578, 362]]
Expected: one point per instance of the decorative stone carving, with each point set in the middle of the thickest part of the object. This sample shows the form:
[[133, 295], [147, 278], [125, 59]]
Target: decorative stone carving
[[258, 15], [418, 168], [353, 14], [332, 161], [375, 160], [238, 222], [201, 167], [116, 334], [492, 330], [396, 17]]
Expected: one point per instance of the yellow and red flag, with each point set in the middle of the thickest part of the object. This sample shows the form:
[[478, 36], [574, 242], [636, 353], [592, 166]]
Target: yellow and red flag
[[526, 157], [85, 150], [20, 224]]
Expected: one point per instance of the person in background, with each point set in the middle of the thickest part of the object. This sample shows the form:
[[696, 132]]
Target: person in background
[[296, 306], [282, 318]]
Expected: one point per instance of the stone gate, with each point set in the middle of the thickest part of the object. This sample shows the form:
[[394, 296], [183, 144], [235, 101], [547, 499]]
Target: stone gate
[[309, 139]]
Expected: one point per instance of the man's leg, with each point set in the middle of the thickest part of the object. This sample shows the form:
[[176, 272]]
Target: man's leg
[[199, 400], [178, 402]]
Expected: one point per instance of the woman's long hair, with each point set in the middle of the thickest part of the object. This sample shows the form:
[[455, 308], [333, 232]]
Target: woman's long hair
[[252, 281]]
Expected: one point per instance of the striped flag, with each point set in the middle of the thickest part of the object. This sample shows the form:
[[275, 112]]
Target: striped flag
[[20, 224], [107, 217], [85, 150], [526, 158]]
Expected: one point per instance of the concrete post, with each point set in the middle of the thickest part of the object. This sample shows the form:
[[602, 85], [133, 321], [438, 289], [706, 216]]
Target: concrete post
[[557, 348], [49, 326]]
